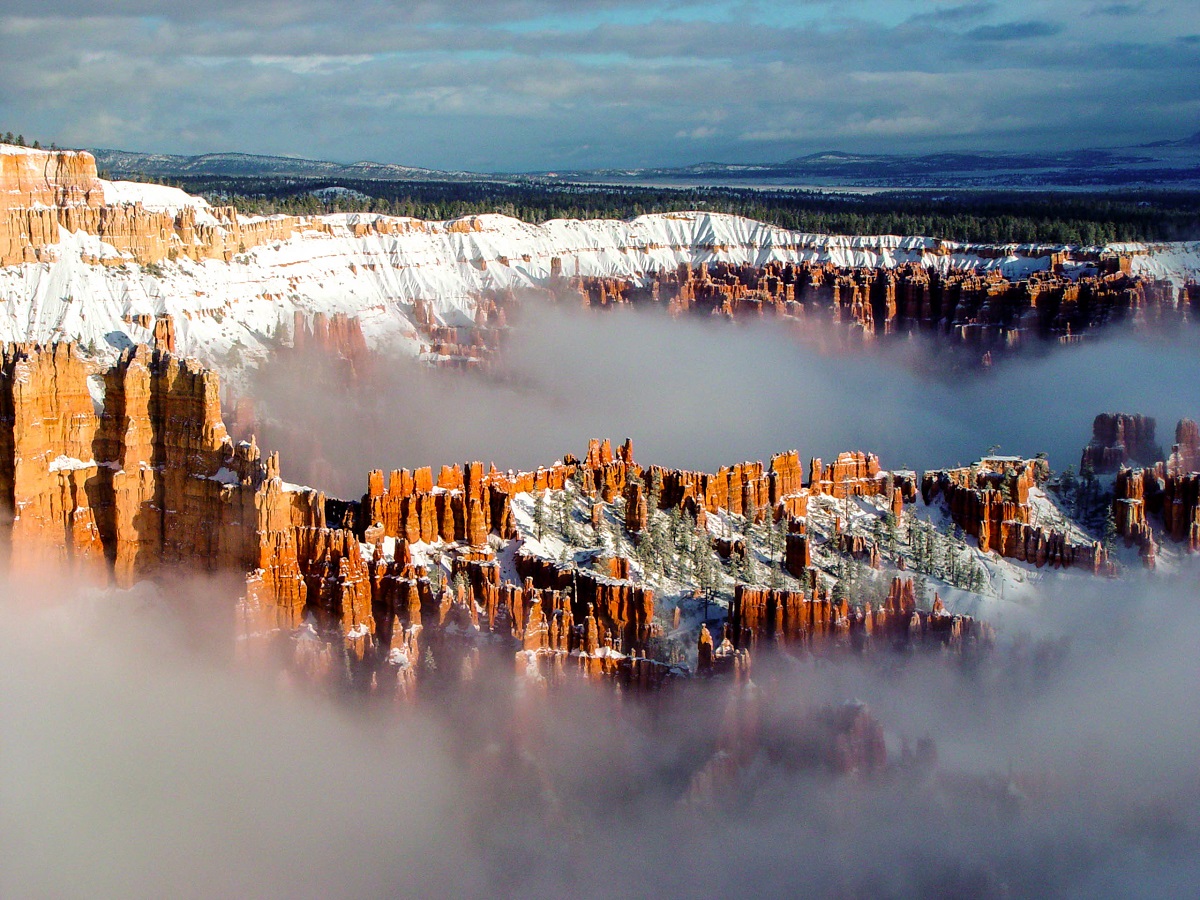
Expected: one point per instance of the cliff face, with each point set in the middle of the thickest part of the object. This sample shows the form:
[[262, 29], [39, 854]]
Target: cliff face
[[149, 482], [126, 472], [1119, 439], [974, 306], [444, 286], [813, 620], [1146, 487], [43, 193], [991, 502], [1173, 496], [48, 178]]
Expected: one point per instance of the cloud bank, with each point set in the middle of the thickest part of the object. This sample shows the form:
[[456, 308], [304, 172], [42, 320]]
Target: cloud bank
[[695, 394], [136, 764]]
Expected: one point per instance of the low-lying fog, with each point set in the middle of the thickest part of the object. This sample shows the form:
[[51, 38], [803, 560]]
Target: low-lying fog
[[136, 763], [699, 395]]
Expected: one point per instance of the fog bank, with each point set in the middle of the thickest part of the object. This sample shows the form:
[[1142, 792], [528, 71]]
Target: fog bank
[[138, 764], [699, 395]]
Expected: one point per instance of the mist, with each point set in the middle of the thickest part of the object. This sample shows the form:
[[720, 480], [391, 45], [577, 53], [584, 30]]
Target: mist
[[138, 762], [698, 394]]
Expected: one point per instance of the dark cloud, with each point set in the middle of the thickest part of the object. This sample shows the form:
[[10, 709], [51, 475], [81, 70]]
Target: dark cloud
[[964, 12], [1016, 31]]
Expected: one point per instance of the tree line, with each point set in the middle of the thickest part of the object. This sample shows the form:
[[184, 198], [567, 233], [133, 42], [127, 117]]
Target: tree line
[[969, 216]]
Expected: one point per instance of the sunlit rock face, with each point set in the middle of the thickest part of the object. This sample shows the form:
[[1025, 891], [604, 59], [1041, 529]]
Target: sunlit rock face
[[45, 192], [126, 470]]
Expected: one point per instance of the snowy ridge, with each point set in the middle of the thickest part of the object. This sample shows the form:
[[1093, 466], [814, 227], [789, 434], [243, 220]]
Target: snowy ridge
[[156, 198], [228, 313]]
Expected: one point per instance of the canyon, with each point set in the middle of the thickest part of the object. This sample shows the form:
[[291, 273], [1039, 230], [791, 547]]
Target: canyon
[[599, 632], [118, 473], [118, 465]]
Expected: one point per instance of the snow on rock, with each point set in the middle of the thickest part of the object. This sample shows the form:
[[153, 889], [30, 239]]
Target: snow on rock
[[228, 313], [156, 198], [70, 464]]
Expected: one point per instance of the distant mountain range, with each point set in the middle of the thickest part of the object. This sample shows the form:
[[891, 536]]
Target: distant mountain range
[[1174, 164], [1164, 163], [127, 164]]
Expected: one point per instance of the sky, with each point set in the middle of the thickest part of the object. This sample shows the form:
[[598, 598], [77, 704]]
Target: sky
[[534, 85]]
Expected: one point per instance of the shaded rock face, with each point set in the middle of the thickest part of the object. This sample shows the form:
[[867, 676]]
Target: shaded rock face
[[338, 337], [1119, 439], [1167, 491], [1185, 454], [1172, 496], [982, 310]]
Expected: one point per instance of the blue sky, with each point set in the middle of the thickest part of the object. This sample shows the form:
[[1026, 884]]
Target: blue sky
[[518, 85]]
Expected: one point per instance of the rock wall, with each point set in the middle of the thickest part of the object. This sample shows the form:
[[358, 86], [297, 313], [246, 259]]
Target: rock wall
[[149, 482], [48, 178], [127, 472], [45, 192], [1119, 439], [1171, 496], [813, 620], [978, 308]]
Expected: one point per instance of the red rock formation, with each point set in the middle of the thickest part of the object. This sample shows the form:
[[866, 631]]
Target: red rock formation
[[338, 336], [990, 502], [1172, 495], [636, 514], [981, 309], [152, 482], [42, 192], [1185, 454], [1118, 439], [623, 611], [815, 622]]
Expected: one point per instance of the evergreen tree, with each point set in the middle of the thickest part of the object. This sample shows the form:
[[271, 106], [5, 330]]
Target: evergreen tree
[[1067, 486], [840, 589], [539, 514], [564, 513], [653, 491], [1110, 530], [889, 527], [702, 563], [434, 571], [749, 566], [921, 591]]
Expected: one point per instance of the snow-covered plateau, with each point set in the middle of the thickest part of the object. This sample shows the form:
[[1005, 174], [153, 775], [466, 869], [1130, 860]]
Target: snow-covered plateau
[[228, 313]]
